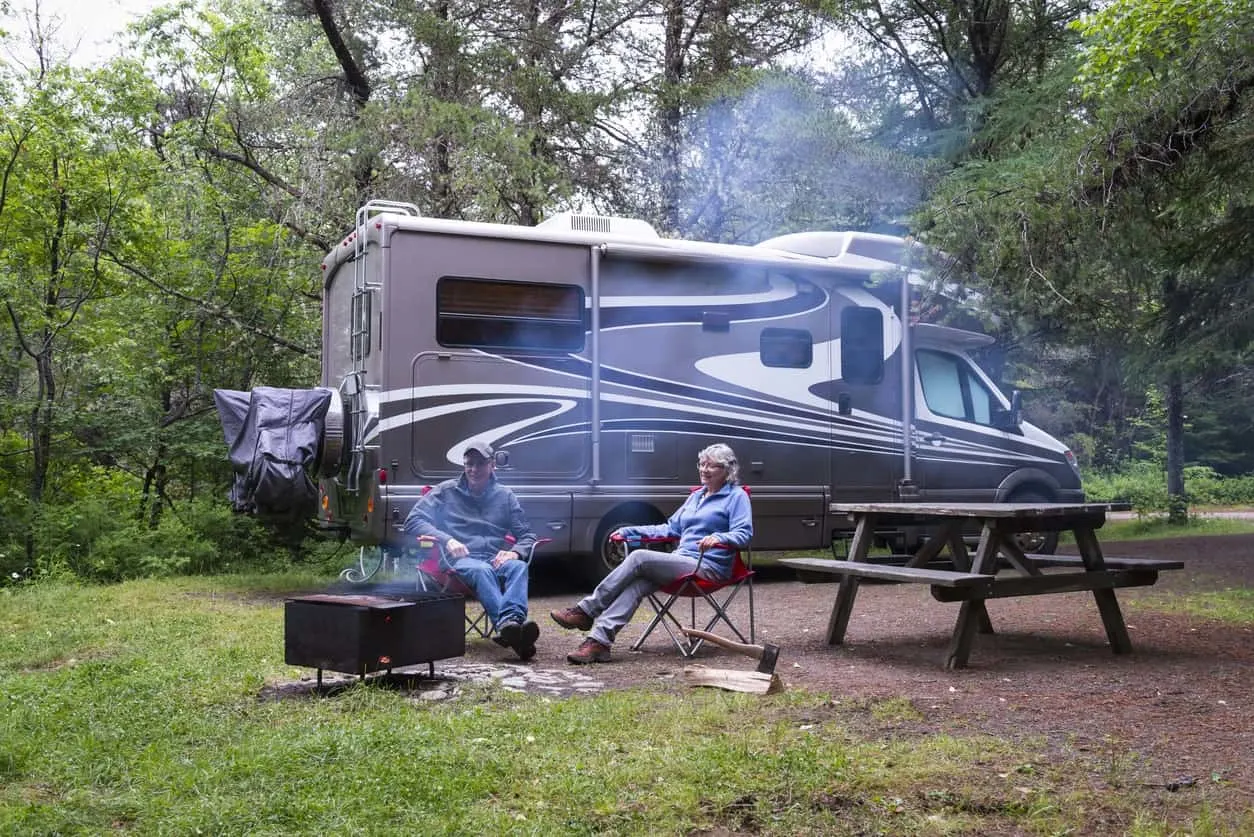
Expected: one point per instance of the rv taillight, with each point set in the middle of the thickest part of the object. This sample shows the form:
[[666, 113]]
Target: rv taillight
[[326, 502], [383, 476]]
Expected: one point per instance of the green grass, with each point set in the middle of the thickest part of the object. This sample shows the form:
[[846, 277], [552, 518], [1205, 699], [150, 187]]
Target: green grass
[[1152, 527], [140, 708], [1232, 604]]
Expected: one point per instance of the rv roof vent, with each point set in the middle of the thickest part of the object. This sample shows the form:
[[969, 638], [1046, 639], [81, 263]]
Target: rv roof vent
[[885, 248], [840, 245], [605, 224]]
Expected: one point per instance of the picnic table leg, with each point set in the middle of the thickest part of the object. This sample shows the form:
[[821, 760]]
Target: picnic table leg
[[859, 548], [971, 614], [932, 548], [839, 619], [863, 535], [985, 562], [1107, 604]]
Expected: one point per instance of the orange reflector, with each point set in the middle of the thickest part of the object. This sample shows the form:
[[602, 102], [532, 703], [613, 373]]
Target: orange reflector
[[369, 505]]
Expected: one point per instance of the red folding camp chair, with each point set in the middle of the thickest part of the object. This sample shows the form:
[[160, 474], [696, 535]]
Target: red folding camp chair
[[717, 594], [434, 573]]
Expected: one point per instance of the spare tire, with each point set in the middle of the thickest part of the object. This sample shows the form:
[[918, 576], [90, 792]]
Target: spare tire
[[332, 442]]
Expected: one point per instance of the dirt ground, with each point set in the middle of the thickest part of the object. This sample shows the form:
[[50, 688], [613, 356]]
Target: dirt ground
[[1182, 702]]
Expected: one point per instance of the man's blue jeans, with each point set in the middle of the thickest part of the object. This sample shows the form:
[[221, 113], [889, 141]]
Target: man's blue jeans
[[502, 590]]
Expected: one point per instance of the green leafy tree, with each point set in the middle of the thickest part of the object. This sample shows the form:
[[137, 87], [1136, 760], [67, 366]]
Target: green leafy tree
[[1108, 212], [73, 184]]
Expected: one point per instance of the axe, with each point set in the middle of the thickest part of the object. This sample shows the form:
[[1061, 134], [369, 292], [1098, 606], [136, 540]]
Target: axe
[[766, 654]]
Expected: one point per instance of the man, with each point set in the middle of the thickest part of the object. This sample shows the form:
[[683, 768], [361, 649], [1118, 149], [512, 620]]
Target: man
[[469, 518]]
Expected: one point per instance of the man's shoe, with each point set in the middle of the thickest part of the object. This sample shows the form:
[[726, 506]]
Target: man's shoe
[[508, 634], [590, 651], [527, 636], [572, 618]]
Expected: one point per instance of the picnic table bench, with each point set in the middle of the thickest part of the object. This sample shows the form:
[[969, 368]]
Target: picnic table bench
[[973, 580]]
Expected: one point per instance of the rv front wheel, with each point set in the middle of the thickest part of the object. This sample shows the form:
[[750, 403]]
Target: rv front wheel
[[1039, 543]]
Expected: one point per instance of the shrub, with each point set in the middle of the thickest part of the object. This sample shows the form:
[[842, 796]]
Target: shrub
[[1144, 485]]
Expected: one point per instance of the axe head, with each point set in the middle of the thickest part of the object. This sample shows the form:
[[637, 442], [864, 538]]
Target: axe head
[[768, 659]]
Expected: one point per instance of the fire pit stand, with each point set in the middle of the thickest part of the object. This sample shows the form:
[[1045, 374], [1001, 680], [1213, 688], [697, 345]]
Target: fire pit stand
[[360, 634]]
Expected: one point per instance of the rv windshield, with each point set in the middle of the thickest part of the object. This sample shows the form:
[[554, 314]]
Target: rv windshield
[[952, 389]]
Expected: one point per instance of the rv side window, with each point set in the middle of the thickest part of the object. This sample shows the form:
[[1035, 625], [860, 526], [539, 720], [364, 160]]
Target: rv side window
[[786, 348], [487, 314], [861, 345], [952, 389]]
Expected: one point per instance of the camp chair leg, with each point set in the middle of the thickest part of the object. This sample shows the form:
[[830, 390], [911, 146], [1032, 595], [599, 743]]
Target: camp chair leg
[[720, 614], [663, 616], [478, 623]]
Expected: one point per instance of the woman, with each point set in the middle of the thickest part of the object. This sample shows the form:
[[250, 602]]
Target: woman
[[713, 518]]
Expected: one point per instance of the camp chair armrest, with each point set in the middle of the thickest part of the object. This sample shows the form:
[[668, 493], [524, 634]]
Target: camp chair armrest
[[529, 553], [429, 542], [643, 540]]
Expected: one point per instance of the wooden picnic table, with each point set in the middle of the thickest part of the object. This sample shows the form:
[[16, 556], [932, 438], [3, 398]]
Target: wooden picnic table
[[972, 580]]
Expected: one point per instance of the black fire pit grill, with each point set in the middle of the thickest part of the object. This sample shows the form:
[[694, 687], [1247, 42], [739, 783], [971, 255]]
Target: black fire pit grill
[[360, 634]]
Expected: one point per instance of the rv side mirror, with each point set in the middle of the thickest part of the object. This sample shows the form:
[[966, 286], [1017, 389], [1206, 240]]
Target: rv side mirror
[[1012, 418]]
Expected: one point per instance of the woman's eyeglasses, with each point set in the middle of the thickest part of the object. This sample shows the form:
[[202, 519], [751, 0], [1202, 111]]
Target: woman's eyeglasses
[[710, 466]]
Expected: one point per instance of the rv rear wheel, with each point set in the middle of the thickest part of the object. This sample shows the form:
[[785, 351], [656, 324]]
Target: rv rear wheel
[[606, 555]]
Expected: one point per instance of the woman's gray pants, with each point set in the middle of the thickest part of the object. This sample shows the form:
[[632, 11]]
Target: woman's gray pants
[[618, 595]]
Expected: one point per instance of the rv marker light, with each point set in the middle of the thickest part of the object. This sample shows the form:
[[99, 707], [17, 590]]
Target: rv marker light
[[383, 476]]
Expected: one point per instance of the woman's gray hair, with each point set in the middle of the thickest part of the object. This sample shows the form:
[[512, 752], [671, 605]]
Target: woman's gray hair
[[723, 455]]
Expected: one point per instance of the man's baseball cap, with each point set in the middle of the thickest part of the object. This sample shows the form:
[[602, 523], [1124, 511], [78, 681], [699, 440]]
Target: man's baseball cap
[[480, 447]]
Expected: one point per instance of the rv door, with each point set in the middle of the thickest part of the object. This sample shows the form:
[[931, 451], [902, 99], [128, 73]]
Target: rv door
[[865, 453]]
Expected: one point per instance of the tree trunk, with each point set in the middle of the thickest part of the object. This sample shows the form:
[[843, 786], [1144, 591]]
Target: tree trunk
[[1177, 500], [1175, 311], [671, 115], [444, 89], [39, 429]]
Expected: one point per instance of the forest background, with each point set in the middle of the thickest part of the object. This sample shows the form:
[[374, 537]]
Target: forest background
[[163, 214]]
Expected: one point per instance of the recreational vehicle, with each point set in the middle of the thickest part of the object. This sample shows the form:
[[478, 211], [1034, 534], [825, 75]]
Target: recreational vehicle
[[598, 358]]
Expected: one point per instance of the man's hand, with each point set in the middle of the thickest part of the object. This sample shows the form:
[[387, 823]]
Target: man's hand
[[503, 556], [456, 549]]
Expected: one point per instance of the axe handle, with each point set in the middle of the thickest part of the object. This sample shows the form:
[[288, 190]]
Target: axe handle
[[754, 651]]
